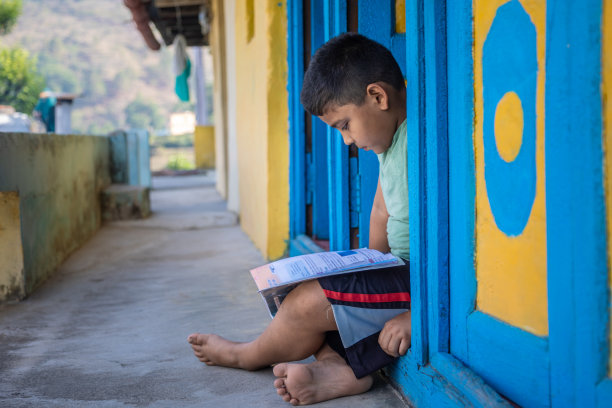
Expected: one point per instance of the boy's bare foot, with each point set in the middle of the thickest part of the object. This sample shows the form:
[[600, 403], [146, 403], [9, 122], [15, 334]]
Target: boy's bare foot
[[214, 350], [322, 380]]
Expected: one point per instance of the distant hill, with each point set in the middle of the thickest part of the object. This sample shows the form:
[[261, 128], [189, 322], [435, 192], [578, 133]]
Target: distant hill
[[92, 47]]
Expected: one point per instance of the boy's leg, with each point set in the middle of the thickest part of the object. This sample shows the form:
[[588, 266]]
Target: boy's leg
[[327, 378], [296, 332]]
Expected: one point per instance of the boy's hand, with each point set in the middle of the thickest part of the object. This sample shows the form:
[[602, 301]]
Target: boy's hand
[[395, 337]]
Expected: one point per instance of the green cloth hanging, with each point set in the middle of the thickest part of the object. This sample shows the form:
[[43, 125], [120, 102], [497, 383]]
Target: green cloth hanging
[[182, 68]]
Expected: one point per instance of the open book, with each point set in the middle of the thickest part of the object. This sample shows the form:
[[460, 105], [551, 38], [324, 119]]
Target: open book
[[275, 280]]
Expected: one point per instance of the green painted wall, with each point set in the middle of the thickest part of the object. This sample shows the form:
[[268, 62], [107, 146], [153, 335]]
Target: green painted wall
[[59, 179]]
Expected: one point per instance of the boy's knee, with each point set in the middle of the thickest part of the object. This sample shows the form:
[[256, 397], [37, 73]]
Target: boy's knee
[[307, 300]]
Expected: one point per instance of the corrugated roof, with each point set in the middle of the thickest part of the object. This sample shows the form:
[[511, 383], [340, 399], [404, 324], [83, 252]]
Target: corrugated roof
[[171, 17]]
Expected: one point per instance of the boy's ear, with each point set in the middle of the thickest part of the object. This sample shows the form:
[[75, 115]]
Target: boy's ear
[[378, 95]]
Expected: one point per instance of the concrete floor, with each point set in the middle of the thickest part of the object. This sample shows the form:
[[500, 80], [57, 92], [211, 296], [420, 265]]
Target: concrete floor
[[109, 329]]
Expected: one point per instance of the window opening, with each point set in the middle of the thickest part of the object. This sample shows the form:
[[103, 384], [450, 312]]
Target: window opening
[[352, 15]]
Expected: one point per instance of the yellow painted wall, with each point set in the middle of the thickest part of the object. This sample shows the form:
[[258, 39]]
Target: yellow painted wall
[[204, 147], [400, 16], [278, 131], [511, 271], [262, 123], [12, 283], [217, 49], [607, 136]]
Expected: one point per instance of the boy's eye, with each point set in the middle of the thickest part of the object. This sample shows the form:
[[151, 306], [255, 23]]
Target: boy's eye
[[345, 126]]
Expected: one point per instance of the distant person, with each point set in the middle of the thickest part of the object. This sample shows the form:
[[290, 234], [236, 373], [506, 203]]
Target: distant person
[[355, 323], [45, 109]]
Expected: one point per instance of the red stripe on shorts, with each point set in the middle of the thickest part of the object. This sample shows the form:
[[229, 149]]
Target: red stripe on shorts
[[368, 297]]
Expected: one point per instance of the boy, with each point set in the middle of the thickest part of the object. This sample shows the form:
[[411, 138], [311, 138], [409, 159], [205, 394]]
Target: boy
[[354, 85]]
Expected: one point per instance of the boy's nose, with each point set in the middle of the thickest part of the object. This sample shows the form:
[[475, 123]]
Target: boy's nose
[[346, 139]]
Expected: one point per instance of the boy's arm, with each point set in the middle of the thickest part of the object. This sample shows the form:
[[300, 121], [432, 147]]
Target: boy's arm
[[378, 223], [395, 337]]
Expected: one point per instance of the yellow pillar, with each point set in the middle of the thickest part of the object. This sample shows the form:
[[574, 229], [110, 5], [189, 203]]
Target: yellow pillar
[[278, 131], [204, 147], [12, 285], [262, 132]]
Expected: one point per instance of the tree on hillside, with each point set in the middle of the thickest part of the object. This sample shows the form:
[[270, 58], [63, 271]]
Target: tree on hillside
[[60, 78], [141, 114], [120, 83], [20, 83], [9, 12]]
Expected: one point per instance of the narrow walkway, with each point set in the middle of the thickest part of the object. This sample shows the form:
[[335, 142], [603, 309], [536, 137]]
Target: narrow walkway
[[110, 328]]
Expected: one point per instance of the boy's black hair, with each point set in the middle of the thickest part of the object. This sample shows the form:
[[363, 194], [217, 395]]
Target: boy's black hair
[[341, 70]]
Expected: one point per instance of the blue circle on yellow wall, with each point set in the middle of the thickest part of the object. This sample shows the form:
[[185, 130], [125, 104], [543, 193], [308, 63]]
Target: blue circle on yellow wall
[[509, 65]]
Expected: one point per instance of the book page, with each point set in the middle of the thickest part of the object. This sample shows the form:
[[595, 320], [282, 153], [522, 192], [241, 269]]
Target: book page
[[304, 267]]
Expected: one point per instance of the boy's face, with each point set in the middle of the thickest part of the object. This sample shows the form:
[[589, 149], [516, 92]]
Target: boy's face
[[369, 125]]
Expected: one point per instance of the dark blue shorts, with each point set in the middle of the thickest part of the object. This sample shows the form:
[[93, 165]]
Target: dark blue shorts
[[362, 303]]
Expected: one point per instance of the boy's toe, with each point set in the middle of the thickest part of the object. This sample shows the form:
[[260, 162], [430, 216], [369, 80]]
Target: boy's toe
[[280, 370]]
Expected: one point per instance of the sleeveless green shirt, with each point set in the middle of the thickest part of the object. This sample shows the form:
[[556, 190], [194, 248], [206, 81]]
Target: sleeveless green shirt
[[394, 185]]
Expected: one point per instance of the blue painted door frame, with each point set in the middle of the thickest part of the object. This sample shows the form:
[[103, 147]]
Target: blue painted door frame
[[320, 177], [577, 245], [317, 174], [452, 343], [297, 142], [338, 153], [567, 368], [515, 362]]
